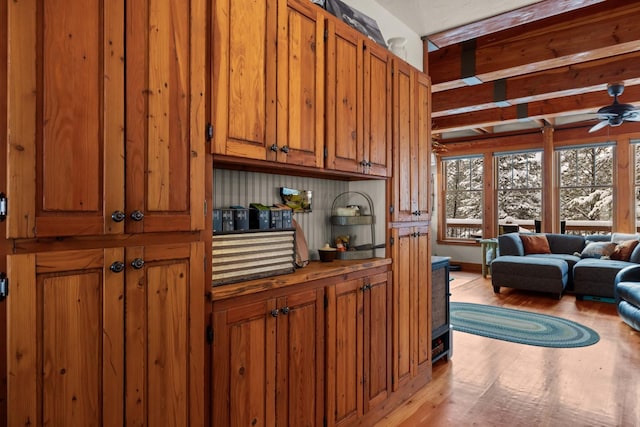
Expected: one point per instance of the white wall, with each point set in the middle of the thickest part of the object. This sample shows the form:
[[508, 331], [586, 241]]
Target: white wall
[[390, 26]]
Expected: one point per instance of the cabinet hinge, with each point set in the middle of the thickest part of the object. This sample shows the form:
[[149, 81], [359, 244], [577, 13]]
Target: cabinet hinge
[[326, 34], [3, 207], [326, 152], [391, 241], [209, 131], [205, 207], [209, 334], [4, 286], [391, 209], [326, 302]]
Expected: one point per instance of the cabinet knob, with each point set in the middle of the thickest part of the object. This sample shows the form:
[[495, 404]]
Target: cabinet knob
[[117, 216], [417, 213], [137, 215], [137, 263], [117, 267], [284, 310], [274, 147], [274, 313], [285, 149]]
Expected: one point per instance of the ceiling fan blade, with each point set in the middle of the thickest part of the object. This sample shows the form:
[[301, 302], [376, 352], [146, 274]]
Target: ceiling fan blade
[[599, 126], [632, 116]]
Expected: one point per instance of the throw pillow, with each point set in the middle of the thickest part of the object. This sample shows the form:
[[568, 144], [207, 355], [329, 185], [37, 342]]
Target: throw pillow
[[623, 250], [535, 244], [598, 250]]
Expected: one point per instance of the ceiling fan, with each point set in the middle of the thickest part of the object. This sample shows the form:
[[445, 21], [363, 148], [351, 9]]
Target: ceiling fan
[[616, 113]]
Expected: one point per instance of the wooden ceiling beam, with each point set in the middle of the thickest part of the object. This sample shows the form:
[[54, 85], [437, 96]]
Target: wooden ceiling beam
[[570, 80], [585, 35], [539, 110], [503, 21]]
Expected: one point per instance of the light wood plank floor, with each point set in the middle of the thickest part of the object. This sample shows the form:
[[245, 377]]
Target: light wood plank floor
[[489, 382]]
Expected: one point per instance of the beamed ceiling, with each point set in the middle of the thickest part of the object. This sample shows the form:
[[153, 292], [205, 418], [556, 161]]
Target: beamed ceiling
[[548, 63]]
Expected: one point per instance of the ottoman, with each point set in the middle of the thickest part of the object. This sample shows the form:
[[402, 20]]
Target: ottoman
[[530, 273]]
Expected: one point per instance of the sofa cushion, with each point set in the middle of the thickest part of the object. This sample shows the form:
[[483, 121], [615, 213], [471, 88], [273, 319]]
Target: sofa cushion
[[629, 291], [623, 250], [621, 237], [535, 244], [598, 249], [596, 276], [635, 255], [510, 244], [565, 243]]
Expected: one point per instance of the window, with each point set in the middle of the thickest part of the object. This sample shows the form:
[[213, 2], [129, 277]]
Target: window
[[463, 197], [519, 188], [586, 188], [636, 152]]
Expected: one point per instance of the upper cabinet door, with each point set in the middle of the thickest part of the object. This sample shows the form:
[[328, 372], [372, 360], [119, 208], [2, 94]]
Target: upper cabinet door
[[411, 143], [377, 110], [244, 41], [358, 103], [343, 102], [422, 147], [65, 125], [300, 86], [165, 147]]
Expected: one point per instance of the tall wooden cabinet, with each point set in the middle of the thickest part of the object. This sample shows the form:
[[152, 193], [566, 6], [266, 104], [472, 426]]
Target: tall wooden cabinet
[[105, 194], [410, 228]]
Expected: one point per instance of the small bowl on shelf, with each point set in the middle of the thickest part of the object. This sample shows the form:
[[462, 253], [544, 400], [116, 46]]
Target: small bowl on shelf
[[327, 253]]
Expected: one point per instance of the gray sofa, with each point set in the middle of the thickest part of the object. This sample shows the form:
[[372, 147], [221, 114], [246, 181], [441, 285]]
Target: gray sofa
[[584, 265]]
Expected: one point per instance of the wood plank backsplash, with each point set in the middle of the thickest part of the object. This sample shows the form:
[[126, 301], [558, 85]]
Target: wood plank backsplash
[[231, 187]]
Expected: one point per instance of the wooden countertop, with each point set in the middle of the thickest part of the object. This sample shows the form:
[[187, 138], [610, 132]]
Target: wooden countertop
[[314, 271]]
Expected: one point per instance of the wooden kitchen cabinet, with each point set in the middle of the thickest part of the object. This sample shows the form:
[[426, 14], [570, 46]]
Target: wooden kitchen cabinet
[[411, 304], [79, 319], [70, 100], [358, 110], [268, 81], [411, 144], [358, 347], [268, 359]]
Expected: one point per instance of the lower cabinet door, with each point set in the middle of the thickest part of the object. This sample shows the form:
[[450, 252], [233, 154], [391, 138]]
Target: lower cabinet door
[[65, 338], [268, 355], [358, 347], [107, 336]]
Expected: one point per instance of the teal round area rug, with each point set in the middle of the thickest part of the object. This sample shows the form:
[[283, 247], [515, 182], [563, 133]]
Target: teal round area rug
[[520, 326]]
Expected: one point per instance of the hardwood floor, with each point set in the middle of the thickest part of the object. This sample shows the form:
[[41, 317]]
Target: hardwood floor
[[489, 382]]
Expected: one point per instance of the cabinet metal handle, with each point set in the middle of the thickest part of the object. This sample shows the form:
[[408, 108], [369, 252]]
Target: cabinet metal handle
[[417, 213], [137, 215], [117, 216], [274, 313], [117, 267], [274, 147], [285, 149], [284, 310], [137, 263]]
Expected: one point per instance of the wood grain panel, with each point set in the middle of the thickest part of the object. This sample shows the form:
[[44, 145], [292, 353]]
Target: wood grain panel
[[65, 339], [377, 110], [348, 352], [377, 341], [71, 119], [402, 304], [300, 88], [71, 332], [168, 339], [403, 141], [65, 118], [165, 115], [299, 388]]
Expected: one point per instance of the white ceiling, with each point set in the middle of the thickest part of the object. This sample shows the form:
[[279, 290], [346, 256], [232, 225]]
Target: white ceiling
[[427, 17]]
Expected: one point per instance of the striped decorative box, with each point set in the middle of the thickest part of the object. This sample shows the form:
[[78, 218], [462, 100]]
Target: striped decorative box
[[252, 255]]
